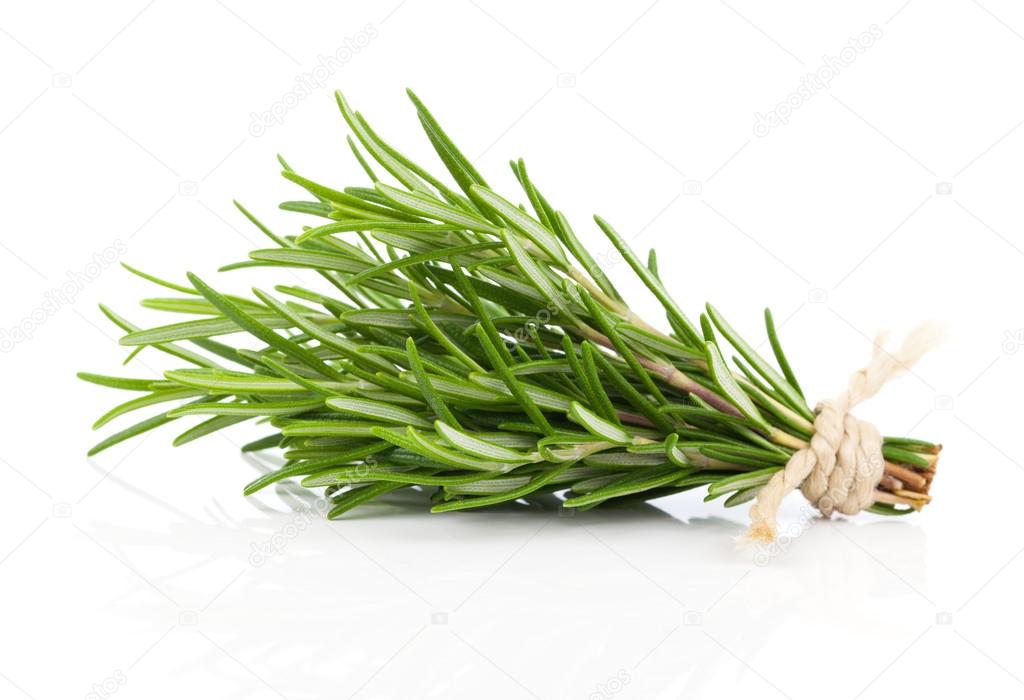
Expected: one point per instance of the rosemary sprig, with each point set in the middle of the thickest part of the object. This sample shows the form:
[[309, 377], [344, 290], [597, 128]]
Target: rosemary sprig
[[474, 348]]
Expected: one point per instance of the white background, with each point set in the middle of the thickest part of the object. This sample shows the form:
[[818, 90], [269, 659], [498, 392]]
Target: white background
[[891, 196]]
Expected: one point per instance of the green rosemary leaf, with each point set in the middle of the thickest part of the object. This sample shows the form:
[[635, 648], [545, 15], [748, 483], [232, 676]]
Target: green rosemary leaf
[[630, 484], [780, 356], [655, 342], [605, 324], [376, 410], [598, 426], [581, 254], [458, 165], [730, 389], [437, 334], [515, 387], [223, 382], [211, 425], [529, 367], [476, 390], [426, 445], [583, 378], [640, 402], [126, 383], [139, 428], [401, 319], [430, 208], [352, 205], [603, 403], [433, 399], [321, 388], [362, 161], [285, 472], [337, 428], [347, 451], [544, 214], [741, 497], [346, 348], [258, 224], [479, 448], [524, 224], [463, 349], [913, 445], [313, 208], [886, 509], [741, 481], [358, 496], [626, 459], [793, 398], [263, 408], [652, 263], [375, 148], [671, 308], [538, 276], [156, 280], [419, 259], [314, 259], [536, 483], [168, 348], [156, 397], [263, 331], [191, 330], [896, 454], [707, 329]]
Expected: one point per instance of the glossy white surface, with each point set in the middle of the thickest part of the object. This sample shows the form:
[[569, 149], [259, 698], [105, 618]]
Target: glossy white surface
[[890, 197]]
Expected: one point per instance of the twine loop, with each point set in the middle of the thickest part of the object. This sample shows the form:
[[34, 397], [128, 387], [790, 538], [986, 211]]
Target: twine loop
[[842, 465]]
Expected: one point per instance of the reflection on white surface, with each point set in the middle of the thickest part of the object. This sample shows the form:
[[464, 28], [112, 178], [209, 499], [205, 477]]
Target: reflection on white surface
[[882, 203], [395, 602]]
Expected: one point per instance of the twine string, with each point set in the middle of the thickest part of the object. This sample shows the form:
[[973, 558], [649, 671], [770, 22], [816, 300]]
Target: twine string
[[843, 463]]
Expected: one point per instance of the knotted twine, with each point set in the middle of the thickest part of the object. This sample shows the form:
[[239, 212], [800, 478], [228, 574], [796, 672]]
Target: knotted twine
[[843, 463]]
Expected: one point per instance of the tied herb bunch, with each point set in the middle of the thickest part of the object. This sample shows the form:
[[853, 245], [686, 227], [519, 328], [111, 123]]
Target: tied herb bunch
[[471, 348]]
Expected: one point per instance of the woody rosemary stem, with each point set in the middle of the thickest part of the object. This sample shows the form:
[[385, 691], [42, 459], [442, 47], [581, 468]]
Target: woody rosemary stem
[[479, 355]]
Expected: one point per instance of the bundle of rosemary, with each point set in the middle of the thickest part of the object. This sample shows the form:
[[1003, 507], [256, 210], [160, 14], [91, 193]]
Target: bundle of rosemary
[[472, 348]]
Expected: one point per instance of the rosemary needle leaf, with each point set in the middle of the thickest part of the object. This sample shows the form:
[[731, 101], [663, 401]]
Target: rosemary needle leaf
[[792, 396], [780, 356], [599, 427], [465, 355], [730, 389]]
